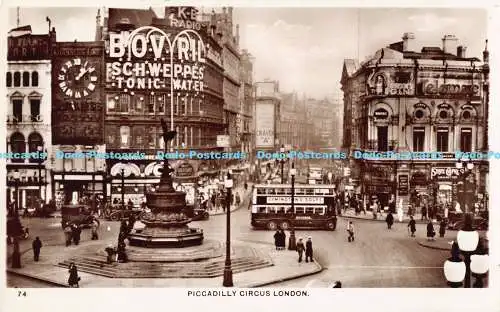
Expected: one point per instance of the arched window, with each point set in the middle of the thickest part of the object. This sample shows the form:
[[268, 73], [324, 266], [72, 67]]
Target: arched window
[[17, 79], [9, 79], [17, 145], [26, 79], [34, 79], [34, 141]]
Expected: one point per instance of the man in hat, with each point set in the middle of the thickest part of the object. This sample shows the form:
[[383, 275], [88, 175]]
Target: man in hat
[[309, 249]]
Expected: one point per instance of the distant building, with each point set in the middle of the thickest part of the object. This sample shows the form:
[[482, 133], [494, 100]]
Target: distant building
[[406, 100], [247, 100], [295, 130]]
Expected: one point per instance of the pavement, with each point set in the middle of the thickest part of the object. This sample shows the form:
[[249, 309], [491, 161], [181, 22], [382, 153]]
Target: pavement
[[381, 217], [286, 267]]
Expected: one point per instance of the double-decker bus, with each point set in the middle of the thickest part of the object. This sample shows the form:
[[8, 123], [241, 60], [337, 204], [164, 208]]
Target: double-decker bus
[[313, 207]]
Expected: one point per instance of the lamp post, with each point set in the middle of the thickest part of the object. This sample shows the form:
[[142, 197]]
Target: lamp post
[[16, 254], [228, 272], [122, 171], [292, 242], [40, 161], [467, 166], [282, 162], [475, 259]]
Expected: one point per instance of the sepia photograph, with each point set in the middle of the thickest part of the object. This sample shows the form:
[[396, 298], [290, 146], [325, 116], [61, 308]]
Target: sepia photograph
[[279, 148]]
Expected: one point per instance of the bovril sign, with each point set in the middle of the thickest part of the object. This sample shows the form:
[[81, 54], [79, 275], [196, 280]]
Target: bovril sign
[[446, 173]]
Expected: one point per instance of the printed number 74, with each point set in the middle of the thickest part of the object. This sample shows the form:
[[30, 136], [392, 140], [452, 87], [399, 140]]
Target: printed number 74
[[21, 293]]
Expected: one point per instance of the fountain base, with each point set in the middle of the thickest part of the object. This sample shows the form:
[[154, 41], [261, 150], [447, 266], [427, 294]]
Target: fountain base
[[159, 237]]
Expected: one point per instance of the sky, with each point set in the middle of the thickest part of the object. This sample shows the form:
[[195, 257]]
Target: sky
[[304, 48]]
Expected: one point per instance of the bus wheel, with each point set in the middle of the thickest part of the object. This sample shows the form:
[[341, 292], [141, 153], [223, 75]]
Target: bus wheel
[[330, 226], [271, 225], [285, 225]]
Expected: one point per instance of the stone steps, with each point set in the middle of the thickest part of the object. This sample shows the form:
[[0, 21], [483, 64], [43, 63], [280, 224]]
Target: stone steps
[[98, 266]]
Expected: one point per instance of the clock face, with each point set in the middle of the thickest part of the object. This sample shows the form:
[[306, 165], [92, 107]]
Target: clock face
[[77, 78]]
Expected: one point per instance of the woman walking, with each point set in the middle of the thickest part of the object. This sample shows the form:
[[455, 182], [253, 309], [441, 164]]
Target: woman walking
[[412, 226], [430, 231], [442, 227], [73, 279]]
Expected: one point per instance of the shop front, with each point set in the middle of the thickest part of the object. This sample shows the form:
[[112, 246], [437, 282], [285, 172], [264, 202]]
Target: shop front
[[379, 182], [78, 187], [31, 188]]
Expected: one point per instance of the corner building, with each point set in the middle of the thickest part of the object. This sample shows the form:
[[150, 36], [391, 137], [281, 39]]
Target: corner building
[[406, 100], [133, 114]]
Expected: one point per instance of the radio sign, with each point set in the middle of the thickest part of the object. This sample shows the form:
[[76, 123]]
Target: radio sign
[[297, 200], [185, 17]]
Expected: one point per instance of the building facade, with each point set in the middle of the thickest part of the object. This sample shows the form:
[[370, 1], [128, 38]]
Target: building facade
[[187, 92], [295, 130], [320, 114], [247, 102], [405, 100], [28, 102]]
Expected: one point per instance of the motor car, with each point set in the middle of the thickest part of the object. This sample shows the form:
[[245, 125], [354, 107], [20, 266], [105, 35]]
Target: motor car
[[76, 214], [200, 214]]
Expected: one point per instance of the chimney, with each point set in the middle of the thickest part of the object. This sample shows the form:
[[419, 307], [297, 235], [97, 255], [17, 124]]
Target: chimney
[[450, 43], [486, 53], [461, 51], [409, 44], [230, 13]]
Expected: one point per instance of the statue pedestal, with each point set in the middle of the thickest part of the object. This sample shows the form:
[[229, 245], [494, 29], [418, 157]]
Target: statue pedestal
[[166, 224]]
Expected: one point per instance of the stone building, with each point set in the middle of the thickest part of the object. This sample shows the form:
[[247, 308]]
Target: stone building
[[28, 123], [411, 99]]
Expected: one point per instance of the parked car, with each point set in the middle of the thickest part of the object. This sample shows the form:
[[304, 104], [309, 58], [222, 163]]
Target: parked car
[[117, 213]]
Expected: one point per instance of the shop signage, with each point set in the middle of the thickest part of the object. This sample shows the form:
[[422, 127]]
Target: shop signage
[[223, 141], [403, 184], [71, 49], [420, 105], [29, 47], [454, 88], [130, 66], [184, 170], [381, 113], [297, 200], [445, 173]]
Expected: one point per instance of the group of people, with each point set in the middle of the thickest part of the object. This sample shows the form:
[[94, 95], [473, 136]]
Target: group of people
[[72, 233], [280, 240]]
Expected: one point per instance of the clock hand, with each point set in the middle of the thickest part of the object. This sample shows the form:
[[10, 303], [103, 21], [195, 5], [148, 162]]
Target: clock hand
[[82, 72]]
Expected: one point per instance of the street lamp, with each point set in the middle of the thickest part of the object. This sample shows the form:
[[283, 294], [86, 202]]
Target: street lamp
[[467, 166], [475, 258], [228, 272], [16, 254], [282, 162], [291, 242], [40, 161]]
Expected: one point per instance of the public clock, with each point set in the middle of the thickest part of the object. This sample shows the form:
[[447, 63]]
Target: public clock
[[77, 78]]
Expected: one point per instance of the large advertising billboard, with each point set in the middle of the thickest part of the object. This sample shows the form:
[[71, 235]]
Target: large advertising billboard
[[264, 125]]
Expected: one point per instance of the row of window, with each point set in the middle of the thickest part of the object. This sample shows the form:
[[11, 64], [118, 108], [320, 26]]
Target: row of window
[[442, 139], [24, 79], [320, 210], [17, 111], [151, 137], [160, 104], [18, 142], [298, 191]]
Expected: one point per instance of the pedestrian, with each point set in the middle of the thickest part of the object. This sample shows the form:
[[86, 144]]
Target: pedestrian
[[350, 231], [131, 222], [238, 199], [282, 240], [337, 284], [67, 234], [389, 219], [277, 237], [77, 231], [424, 213], [412, 226], [300, 248], [442, 227], [309, 249], [430, 231], [37, 245], [73, 279], [123, 227], [94, 228]]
